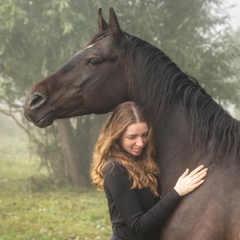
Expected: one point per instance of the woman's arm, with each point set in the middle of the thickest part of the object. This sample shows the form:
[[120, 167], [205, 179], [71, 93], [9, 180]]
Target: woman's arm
[[118, 184]]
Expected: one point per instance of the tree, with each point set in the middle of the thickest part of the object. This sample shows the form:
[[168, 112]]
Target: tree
[[195, 34], [30, 42], [39, 36]]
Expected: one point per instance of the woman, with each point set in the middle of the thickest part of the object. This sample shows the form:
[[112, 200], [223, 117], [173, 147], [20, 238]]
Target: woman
[[123, 165]]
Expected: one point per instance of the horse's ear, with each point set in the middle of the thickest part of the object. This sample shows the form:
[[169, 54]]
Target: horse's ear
[[102, 24], [114, 28]]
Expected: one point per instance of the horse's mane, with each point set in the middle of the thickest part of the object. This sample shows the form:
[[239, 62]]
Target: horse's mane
[[164, 83]]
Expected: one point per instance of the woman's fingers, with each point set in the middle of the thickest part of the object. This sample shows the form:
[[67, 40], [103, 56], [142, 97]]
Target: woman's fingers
[[199, 176], [185, 173], [196, 185], [190, 181], [196, 170], [197, 173]]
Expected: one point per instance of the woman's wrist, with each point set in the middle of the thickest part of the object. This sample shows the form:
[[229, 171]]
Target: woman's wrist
[[178, 192]]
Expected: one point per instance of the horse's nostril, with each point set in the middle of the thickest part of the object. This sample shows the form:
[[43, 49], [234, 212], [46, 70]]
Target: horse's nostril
[[36, 100]]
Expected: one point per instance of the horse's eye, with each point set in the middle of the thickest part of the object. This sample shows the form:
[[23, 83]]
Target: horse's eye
[[93, 61]]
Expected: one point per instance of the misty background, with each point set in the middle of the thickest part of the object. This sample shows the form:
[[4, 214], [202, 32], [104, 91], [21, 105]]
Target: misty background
[[37, 37]]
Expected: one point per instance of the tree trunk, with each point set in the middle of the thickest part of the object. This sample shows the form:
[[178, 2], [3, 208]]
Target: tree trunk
[[87, 131], [72, 158]]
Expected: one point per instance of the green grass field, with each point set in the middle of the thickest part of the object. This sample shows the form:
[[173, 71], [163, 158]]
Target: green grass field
[[46, 213]]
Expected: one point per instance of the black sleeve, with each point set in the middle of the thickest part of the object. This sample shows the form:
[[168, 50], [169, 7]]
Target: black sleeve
[[117, 182]]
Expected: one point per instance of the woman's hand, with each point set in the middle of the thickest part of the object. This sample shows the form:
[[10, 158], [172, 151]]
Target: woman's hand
[[190, 181]]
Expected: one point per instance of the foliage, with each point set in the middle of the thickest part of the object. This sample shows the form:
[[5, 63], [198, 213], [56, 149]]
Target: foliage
[[197, 36], [39, 36], [44, 144]]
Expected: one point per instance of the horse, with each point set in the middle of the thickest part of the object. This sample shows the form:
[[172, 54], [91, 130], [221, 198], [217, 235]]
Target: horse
[[190, 127]]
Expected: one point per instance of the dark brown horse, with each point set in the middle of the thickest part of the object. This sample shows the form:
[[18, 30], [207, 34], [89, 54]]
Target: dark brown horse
[[191, 128]]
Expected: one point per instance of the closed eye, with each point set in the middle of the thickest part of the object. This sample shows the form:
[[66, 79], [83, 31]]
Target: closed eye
[[131, 137]]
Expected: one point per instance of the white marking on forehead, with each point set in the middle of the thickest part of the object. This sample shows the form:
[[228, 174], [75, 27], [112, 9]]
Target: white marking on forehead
[[86, 48], [89, 46], [81, 51]]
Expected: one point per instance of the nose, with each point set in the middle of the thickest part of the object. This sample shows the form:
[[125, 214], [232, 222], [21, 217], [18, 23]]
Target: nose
[[140, 142], [36, 100]]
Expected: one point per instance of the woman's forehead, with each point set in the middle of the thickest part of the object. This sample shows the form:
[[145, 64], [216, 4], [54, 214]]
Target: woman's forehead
[[137, 128]]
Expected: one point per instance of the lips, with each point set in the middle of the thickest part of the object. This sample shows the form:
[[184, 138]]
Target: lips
[[137, 150]]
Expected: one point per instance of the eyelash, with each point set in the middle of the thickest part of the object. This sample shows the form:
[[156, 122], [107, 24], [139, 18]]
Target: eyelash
[[146, 135], [93, 62]]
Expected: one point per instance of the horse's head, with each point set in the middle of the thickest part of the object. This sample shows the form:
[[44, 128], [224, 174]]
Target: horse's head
[[94, 80]]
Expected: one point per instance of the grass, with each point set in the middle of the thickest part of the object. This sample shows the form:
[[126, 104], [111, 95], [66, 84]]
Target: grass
[[45, 214], [53, 215]]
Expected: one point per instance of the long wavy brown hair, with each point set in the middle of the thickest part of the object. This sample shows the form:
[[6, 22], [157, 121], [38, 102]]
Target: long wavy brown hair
[[142, 169]]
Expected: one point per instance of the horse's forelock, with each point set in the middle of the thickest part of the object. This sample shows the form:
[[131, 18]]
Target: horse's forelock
[[98, 37]]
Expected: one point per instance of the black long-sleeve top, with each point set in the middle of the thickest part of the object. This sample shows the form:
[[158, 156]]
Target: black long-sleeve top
[[135, 214]]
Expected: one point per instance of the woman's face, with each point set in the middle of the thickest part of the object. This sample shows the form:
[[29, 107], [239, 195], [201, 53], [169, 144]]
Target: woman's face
[[135, 138]]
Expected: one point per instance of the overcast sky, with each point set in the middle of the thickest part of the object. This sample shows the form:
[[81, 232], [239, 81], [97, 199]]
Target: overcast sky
[[234, 12]]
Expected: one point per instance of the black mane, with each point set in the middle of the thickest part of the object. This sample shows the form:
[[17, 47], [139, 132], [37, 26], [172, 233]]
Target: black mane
[[163, 83]]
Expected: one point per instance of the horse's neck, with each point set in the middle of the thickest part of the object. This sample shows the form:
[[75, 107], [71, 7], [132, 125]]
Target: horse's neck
[[173, 133], [174, 148], [173, 138]]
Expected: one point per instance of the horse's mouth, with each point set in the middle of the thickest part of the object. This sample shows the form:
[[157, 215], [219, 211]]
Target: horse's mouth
[[44, 122], [41, 122]]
